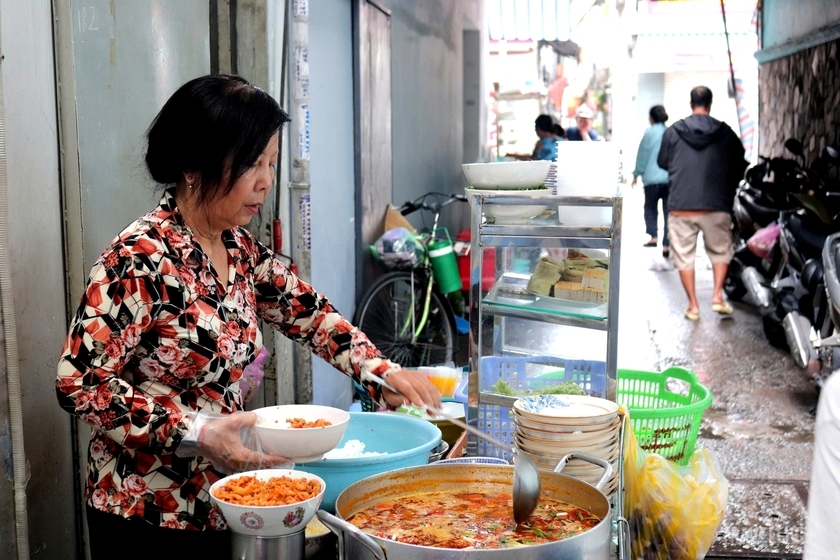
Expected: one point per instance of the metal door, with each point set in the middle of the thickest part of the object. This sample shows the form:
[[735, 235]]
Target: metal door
[[117, 61], [372, 38]]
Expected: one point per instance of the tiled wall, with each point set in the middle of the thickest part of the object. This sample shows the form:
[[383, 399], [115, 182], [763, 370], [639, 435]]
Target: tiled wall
[[800, 98]]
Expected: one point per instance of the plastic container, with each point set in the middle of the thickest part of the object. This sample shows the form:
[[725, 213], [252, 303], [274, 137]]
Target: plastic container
[[406, 440], [666, 409], [445, 379], [488, 262], [495, 420], [444, 265]]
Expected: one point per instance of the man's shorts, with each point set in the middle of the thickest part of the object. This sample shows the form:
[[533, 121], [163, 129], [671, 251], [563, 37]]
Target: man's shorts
[[717, 237]]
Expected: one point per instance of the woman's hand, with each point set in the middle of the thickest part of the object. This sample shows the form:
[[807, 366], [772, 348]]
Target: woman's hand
[[414, 387], [230, 442]]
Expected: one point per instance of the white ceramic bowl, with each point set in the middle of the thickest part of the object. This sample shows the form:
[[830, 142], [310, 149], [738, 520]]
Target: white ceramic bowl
[[506, 174], [301, 445], [269, 521], [317, 535], [511, 213]]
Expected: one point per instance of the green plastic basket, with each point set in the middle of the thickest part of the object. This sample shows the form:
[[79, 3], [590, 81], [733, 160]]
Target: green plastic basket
[[666, 419]]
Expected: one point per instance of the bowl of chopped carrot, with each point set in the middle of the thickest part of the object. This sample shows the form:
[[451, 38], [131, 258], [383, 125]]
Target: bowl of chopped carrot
[[268, 502], [300, 432]]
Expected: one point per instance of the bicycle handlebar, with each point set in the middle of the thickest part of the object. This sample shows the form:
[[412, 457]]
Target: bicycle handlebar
[[421, 204]]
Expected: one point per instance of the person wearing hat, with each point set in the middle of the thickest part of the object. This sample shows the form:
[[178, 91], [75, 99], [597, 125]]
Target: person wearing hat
[[583, 130]]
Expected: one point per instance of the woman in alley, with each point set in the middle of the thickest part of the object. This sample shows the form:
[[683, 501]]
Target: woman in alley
[[654, 178], [169, 320], [546, 147]]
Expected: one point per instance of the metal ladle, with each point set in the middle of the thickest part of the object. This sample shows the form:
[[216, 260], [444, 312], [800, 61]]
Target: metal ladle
[[526, 477]]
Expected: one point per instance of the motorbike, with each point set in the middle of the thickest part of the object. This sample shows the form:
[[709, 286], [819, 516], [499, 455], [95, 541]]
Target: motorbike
[[812, 332], [800, 315], [758, 203]]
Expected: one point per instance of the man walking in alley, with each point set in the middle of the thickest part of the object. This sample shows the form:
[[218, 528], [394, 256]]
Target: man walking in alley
[[705, 160]]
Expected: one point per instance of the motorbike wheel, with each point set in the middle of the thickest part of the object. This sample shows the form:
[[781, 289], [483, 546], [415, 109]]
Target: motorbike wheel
[[734, 288], [783, 303], [775, 333]]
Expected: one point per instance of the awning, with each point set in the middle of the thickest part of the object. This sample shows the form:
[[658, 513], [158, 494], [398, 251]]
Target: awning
[[528, 20]]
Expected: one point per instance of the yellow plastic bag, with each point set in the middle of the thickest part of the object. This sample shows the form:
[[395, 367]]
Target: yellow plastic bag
[[674, 511]]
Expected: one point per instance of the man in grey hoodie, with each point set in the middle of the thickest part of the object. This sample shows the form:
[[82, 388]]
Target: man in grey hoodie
[[705, 161]]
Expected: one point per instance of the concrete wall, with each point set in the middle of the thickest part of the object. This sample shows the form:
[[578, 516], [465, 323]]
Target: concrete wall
[[332, 174], [786, 21], [428, 108], [800, 98], [35, 225], [428, 104]]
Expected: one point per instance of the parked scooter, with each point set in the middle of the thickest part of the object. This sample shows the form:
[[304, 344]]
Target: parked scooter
[[806, 240], [758, 203], [817, 349]]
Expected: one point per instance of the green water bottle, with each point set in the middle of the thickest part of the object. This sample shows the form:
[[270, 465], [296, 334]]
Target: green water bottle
[[444, 266]]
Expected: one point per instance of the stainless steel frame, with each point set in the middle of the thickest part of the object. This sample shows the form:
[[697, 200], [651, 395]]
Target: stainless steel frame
[[539, 233]]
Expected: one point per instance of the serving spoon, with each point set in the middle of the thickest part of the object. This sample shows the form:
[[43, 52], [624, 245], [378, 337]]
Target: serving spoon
[[526, 477]]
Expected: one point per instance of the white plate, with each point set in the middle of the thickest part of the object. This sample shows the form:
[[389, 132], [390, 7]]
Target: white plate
[[562, 425], [557, 408], [511, 213], [606, 452], [589, 439]]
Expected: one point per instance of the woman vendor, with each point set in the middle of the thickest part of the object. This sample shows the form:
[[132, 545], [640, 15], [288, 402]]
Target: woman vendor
[[168, 322]]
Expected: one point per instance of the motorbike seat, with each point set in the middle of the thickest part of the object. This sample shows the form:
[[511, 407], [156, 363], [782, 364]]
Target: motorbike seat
[[760, 212], [810, 236]]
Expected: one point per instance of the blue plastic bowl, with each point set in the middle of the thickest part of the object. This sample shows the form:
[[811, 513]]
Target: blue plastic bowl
[[406, 440]]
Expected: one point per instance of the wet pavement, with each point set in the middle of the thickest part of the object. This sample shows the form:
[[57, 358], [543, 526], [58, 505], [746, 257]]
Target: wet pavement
[[760, 424]]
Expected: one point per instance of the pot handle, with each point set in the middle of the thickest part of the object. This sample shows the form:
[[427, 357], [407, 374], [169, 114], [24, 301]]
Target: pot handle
[[623, 538], [341, 527], [608, 469]]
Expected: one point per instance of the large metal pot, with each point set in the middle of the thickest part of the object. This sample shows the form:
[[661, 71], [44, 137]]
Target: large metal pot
[[354, 544]]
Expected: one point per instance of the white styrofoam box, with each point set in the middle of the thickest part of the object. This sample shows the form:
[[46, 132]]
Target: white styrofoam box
[[587, 168]]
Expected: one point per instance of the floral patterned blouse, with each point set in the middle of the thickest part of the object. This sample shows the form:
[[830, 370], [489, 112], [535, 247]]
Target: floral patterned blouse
[[157, 335]]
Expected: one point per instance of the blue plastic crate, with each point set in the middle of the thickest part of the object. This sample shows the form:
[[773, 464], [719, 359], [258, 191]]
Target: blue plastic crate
[[523, 373]]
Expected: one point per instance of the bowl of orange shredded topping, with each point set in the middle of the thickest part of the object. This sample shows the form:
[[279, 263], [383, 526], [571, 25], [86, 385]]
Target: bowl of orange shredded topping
[[300, 432], [268, 502]]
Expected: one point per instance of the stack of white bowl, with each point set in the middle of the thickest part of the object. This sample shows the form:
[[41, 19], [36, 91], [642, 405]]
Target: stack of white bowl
[[549, 427], [509, 178]]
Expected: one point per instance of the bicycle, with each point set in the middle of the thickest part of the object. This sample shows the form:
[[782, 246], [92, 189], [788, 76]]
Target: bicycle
[[403, 313]]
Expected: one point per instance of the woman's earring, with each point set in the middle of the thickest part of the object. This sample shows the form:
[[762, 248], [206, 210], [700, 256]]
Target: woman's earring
[[190, 186]]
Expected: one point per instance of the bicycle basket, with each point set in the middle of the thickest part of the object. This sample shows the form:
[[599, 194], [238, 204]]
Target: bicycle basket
[[398, 249]]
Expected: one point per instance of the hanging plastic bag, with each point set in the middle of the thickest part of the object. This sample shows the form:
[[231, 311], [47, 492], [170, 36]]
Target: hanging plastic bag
[[674, 511], [764, 241], [398, 248]]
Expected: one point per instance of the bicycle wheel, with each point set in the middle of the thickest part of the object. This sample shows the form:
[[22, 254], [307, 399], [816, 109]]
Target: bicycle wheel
[[391, 304]]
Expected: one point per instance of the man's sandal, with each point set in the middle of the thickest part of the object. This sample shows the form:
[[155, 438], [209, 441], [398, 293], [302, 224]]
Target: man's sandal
[[691, 315], [722, 308]]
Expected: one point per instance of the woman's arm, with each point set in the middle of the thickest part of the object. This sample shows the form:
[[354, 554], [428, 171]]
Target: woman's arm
[[121, 301], [295, 309]]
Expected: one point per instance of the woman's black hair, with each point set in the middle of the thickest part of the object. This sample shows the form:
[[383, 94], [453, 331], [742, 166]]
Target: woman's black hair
[[658, 114], [215, 127], [558, 131], [545, 123]]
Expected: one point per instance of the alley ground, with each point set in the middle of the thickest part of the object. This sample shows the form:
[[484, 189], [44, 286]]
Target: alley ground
[[760, 424]]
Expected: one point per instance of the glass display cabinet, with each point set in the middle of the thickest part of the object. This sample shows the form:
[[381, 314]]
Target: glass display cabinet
[[550, 315]]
